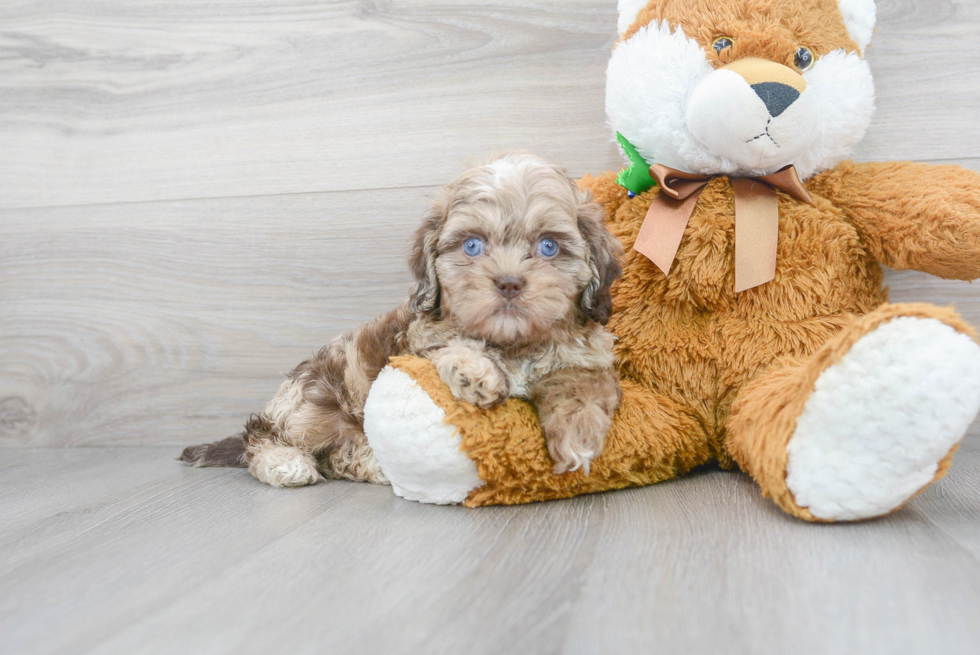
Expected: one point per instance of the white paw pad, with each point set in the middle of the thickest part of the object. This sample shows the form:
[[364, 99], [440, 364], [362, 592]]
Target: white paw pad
[[282, 466], [878, 423], [418, 451]]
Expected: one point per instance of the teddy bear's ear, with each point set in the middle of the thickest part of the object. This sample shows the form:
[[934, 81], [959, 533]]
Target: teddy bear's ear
[[859, 16], [628, 9]]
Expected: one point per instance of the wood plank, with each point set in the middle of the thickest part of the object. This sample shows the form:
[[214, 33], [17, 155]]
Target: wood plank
[[730, 573], [171, 322], [924, 103], [211, 561], [111, 102], [952, 506], [119, 102]]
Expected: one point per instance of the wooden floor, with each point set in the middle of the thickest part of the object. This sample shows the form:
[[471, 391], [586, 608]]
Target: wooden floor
[[195, 195], [123, 550]]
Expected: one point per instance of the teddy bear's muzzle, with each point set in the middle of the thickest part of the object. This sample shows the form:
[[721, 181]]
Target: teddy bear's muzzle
[[776, 85], [754, 112]]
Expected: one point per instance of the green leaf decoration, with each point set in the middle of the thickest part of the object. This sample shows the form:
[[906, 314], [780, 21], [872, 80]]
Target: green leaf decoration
[[636, 177]]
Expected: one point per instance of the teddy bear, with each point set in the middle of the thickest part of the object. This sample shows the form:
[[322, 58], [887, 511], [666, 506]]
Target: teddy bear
[[753, 329]]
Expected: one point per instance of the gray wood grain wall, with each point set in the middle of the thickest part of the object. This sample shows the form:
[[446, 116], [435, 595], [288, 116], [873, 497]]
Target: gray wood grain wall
[[194, 196]]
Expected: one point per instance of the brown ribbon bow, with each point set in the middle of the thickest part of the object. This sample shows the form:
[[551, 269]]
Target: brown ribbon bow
[[756, 219]]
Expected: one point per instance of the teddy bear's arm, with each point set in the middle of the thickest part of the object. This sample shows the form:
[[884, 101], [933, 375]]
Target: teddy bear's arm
[[911, 216]]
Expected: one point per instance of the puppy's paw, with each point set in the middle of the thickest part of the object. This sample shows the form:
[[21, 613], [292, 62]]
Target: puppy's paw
[[471, 376], [575, 435], [283, 466]]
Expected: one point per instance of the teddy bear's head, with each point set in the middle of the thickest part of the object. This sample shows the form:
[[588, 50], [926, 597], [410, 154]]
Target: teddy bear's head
[[742, 87]]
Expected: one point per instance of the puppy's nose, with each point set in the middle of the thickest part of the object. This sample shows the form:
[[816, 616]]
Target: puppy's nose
[[509, 287], [778, 97]]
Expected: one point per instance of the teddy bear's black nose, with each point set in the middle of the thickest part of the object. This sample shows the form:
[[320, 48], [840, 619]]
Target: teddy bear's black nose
[[778, 97]]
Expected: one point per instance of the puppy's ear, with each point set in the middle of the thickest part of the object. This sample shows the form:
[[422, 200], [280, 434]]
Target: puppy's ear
[[424, 298], [605, 253]]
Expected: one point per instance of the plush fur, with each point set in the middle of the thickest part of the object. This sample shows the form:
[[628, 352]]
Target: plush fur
[[423, 457], [752, 379], [512, 319]]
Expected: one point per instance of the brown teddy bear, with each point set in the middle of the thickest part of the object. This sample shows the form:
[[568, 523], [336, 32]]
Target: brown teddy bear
[[753, 329]]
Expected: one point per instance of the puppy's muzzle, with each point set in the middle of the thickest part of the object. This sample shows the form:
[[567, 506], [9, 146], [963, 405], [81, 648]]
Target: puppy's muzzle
[[776, 85], [509, 287]]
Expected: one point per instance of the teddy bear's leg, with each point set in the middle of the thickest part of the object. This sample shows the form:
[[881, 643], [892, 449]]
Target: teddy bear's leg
[[418, 449], [436, 449], [867, 422]]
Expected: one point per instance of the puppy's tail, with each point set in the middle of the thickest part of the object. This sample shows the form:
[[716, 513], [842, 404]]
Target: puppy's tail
[[228, 452]]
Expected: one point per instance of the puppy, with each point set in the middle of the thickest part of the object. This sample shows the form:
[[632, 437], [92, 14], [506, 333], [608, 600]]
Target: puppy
[[512, 270]]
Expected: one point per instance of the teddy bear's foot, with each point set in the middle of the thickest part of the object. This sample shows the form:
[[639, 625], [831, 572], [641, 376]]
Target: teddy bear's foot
[[418, 450], [284, 466], [879, 422], [868, 421]]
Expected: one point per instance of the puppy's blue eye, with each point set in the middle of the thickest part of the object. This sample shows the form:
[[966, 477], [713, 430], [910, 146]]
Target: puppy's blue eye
[[473, 247], [547, 247]]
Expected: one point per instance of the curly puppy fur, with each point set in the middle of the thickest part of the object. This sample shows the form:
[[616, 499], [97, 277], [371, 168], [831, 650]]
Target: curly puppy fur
[[514, 319]]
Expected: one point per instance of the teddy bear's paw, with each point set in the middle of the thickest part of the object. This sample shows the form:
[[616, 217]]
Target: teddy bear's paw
[[881, 420], [471, 376], [418, 450], [574, 438], [284, 466]]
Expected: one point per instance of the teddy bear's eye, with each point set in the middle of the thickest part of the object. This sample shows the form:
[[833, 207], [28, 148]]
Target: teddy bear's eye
[[722, 43], [804, 59]]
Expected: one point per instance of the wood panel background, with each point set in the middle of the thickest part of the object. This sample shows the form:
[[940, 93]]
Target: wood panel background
[[194, 196], [171, 560]]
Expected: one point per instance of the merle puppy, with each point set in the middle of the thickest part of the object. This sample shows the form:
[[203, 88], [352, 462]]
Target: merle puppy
[[512, 270]]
